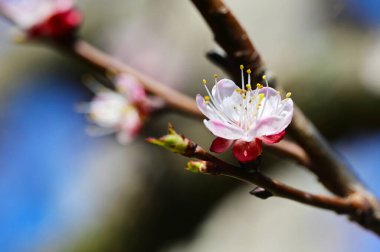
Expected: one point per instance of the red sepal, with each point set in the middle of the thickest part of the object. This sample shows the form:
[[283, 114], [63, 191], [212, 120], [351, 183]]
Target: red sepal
[[246, 152], [220, 145], [59, 25], [273, 138]]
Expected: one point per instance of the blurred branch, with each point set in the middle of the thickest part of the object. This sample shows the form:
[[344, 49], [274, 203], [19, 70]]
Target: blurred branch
[[184, 104], [107, 64], [291, 150], [331, 171]]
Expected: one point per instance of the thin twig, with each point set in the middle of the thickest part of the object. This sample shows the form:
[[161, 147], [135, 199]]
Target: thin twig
[[292, 151], [216, 166]]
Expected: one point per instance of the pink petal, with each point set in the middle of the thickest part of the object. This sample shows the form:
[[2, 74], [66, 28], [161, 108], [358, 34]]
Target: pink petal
[[220, 145], [130, 87], [224, 130], [63, 4], [272, 96], [273, 138], [223, 89], [271, 125], [247, 151], [129, 127], [206, 110]]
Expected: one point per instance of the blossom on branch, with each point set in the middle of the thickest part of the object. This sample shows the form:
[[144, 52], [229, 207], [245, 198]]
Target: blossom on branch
[[244, 117], [122, 112], [54, 19]]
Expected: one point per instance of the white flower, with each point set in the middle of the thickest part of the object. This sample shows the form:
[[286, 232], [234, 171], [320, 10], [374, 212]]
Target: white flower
[[244, 116], [48, 18], [121, 112]]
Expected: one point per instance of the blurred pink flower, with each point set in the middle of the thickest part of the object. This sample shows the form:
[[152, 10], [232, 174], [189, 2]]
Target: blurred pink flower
[[113, 111], [245, 117], [42, 18], [123, 111]]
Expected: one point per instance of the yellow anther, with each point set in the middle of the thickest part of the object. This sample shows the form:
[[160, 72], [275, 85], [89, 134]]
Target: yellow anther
[[248, 86], [204, 81], [249, 71], [207, 98], [241, 67], [259, 86], [264, 77], [215, 76], [261, 97], [288, 94]]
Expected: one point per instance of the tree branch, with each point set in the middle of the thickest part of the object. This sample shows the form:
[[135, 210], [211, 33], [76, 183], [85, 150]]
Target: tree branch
[[232, 37], [105, 63], [330, 170], [215, 166]]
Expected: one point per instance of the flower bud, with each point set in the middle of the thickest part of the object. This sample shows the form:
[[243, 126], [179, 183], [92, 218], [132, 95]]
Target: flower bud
[[196, 166], [172, 141]]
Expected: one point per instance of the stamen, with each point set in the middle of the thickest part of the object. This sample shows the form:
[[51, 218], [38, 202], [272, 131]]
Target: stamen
[[204, 82], [266, 94], [248, 86], [207, 99], [249, 75], [216, 78], [261, 97], [288, 95], [242, 76]]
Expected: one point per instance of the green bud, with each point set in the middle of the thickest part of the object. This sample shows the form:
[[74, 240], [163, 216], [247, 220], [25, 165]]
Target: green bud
[[172, 141], [196, 166]]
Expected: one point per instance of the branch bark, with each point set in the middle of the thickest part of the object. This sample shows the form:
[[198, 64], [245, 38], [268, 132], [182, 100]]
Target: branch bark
[[232, 37], [350, 206], [239, 50], [324, 163]]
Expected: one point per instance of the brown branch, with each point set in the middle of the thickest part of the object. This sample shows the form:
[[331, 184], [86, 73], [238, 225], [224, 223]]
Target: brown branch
[[215, 166], [176, 100], [360, 204], [330, 170], [292, 151], [231, 36], [107, 64]]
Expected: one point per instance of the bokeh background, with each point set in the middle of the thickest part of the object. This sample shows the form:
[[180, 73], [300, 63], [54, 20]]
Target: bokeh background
[[61, 190]]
